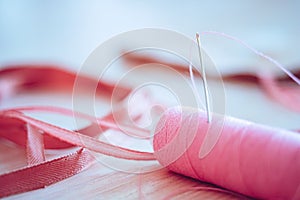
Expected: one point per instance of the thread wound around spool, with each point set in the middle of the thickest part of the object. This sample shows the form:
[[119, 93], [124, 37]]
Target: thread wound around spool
[[252, 159]]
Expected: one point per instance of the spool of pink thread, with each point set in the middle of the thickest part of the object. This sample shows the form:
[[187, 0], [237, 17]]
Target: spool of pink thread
[[251, 159]]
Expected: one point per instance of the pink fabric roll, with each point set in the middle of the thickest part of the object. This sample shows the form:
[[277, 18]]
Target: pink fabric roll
[[252, 159]]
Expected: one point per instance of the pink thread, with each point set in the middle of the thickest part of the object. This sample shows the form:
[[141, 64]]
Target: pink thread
[[251, 159], [275, 62]]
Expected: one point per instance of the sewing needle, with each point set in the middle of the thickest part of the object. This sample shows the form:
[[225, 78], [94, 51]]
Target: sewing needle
[[204, 79]]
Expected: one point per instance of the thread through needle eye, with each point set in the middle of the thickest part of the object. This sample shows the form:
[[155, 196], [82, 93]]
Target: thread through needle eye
[[204, 79]]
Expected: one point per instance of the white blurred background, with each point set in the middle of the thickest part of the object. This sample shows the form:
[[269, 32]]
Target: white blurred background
[[67, 31]]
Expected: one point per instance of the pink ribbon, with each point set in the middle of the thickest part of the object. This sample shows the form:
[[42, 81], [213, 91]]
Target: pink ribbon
[[26, 131]]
